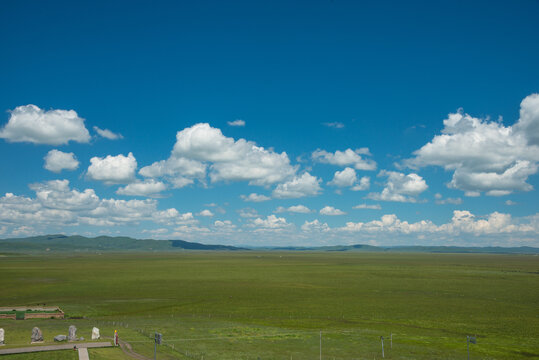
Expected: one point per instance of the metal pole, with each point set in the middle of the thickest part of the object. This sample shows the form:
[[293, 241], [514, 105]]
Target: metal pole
[[468, 346], [382, 338], [391, 340], [155, 347], [320, 345]]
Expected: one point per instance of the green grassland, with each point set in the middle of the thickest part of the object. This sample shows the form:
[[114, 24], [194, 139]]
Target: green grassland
[[273, 305]]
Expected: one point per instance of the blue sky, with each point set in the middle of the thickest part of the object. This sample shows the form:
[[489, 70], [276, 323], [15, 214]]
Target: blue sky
[[351, 122]]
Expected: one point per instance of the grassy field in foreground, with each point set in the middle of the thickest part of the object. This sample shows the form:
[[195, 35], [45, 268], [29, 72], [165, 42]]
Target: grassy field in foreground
[[272, 305]]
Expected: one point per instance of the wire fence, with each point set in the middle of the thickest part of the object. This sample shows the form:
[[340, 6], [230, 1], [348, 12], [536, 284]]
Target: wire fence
[[250, 341]]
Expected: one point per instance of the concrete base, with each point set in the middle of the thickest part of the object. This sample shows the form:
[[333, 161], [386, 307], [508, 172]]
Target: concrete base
[[36, 342], [83, 354]]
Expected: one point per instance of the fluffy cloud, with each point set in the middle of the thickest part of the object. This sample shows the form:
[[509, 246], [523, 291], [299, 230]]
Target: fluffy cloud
[[400, 187], [300, 209], [57, 161], [344, 158], [344, 178], [123, 211], [462, 222], [236, 123], [143, 188], [348, 178], [486, 156], [206, 213], [331, 211], [315, 226], [173, 217], [299, 186], [56, 204], [271, 222], [201, 145], [179, 171], [29, 123], [113, 169], [107, 134], [366, 206], [465, 222], [253, 197], [56, 194], [224, 226], [233, 160], [364, 184], [389, 223], [528, 124]]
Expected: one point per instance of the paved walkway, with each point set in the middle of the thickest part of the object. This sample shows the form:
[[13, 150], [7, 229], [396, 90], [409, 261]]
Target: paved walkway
[[83, 354], [56, 347]]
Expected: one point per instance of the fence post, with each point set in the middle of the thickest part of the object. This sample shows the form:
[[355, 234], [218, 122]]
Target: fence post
[[320, 345]]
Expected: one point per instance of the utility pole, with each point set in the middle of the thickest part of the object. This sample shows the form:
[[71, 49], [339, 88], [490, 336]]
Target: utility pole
[[320, 345], [391, 338], [382, 339], [468, 346]]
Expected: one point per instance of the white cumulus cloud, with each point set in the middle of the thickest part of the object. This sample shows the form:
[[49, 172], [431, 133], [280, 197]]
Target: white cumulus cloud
[[315, 226], [271, 222], [56, 204], [253, 197], [348, 178], [206, 213], [344, 158], [364, 184], [331, 211], [178, 170], [462, 222], [299, 186], [29, 123], [400, 187], [300, 209], [118, 169], [344, 178], [143, 188], [202, 146], [56, 161], [486, 156], [233, 160]]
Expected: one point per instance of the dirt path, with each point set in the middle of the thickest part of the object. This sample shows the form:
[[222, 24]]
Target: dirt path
[[54, 347], [128, 350], [83, 354]]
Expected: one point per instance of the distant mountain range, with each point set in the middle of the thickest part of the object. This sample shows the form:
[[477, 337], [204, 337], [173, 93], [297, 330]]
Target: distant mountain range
[[76, 243], [425, 249]]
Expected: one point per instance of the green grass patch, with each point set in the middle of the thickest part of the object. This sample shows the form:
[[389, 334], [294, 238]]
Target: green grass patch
[[45, 355], [274, 305]]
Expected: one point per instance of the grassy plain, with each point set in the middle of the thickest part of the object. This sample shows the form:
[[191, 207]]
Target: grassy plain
[[273, 305]]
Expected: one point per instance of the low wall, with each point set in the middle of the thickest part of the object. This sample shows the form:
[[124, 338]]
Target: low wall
[[35, 314], [43, 315], [34, 308]]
